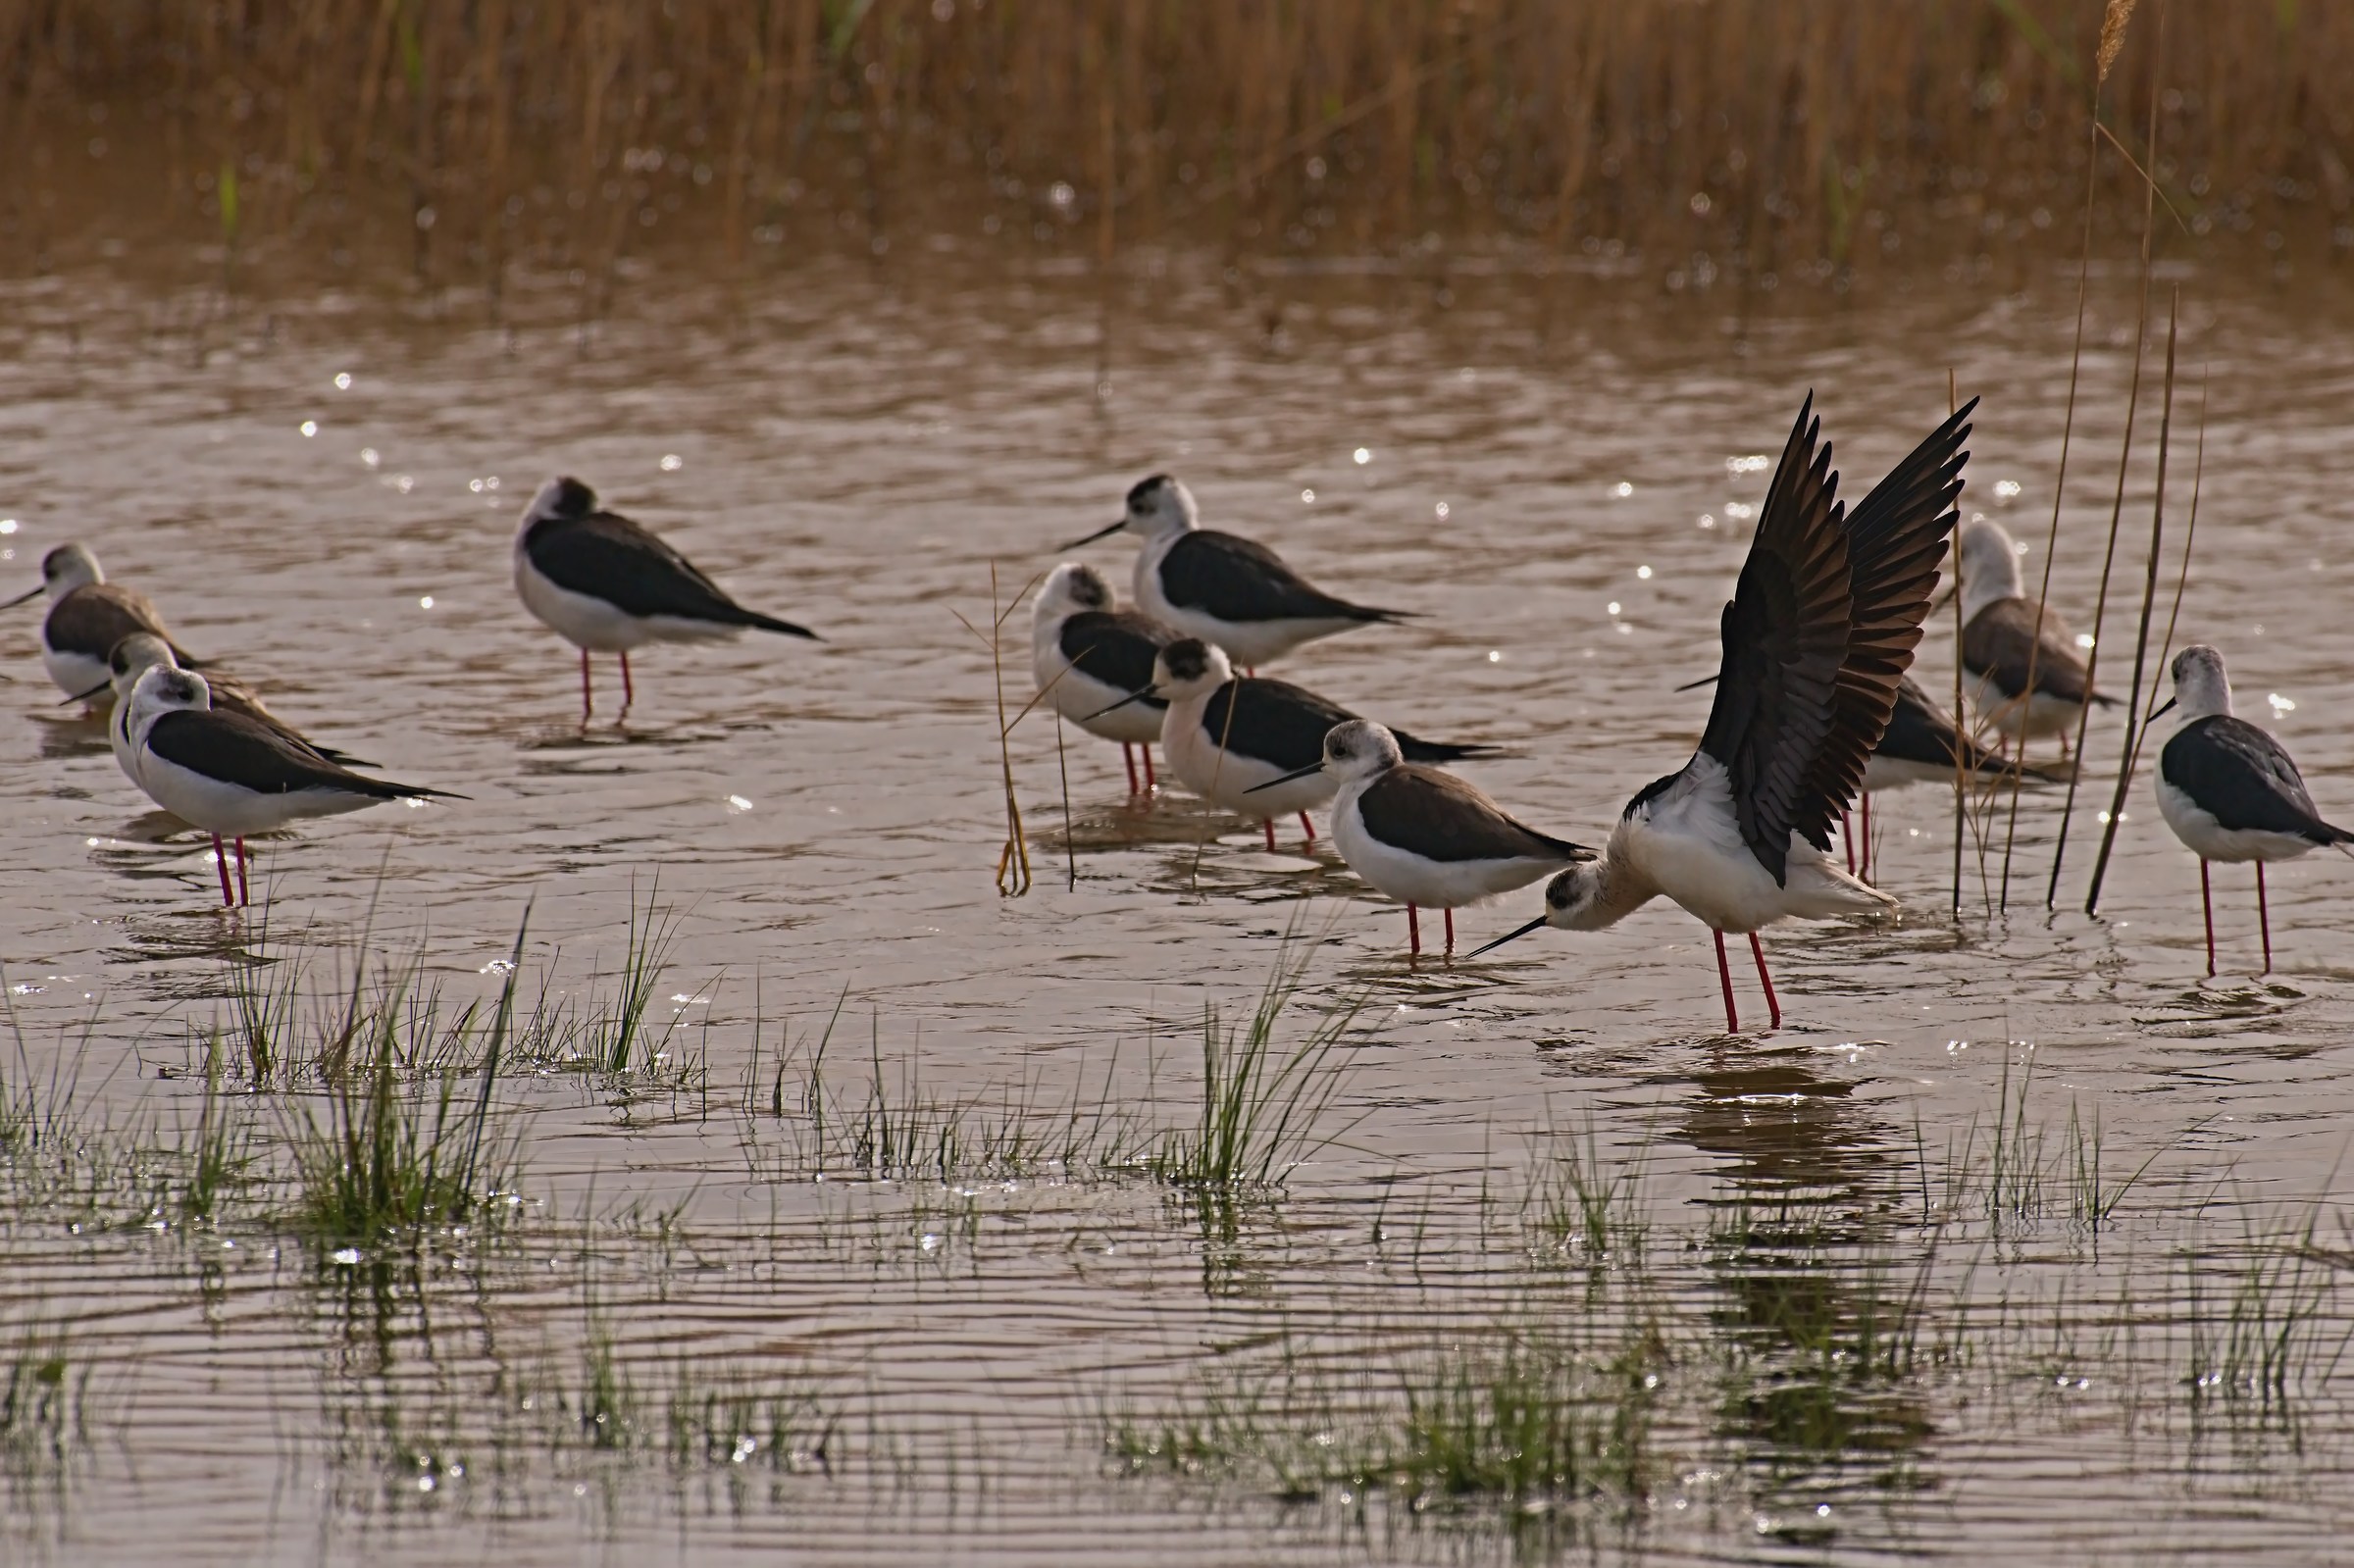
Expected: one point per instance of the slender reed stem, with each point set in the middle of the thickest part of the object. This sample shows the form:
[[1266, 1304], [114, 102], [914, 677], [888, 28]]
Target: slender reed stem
[[2125, 456], [1961, 767], [2149, 602]]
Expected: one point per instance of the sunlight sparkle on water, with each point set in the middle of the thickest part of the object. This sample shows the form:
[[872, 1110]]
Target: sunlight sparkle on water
[[370, 456], [310, 427], [1308, 496], [1622, 489], [672, 462], [1644, 573], [1364, 455], [2281, 704], [342, 381], [1442, 512]]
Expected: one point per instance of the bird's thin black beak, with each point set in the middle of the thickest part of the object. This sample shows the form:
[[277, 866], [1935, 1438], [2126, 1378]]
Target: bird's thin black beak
[[1295, 773], [86, 695], [2163, 711], [29, 593], [1695, 685], [1100, 534], [1515, 934], [1133, 697]]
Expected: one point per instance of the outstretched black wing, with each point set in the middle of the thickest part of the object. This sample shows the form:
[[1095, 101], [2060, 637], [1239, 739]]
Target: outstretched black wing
[[1785, 637], [1896, 538]]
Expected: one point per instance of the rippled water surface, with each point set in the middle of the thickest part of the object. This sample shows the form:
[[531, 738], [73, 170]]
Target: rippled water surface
[[1848, 1293]]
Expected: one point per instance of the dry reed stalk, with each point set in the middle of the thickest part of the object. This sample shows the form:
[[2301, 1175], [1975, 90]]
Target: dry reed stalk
[[1961, 764], [1812, 127], [1012, 875], [2125, 456], [2114, 18], [1062, 765], [2190, 538], [2068, 431], [2149, 603]]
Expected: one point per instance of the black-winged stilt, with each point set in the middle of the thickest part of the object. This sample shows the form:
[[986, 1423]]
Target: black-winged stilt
[[609, 586], [2008, 638], [1087, 654], [234, 775], [1231, 592], [1424, 837], [2230, 791], [141, 652], [87, 616], [1817, 640]]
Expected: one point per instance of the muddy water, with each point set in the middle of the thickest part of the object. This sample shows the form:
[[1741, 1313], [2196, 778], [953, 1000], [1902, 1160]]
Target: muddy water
[[1559, 479]]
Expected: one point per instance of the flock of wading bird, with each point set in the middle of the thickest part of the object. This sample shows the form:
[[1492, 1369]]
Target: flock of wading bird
[[1813, 707]]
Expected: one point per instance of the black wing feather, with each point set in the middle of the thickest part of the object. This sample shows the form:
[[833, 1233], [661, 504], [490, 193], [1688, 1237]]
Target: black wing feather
[[1116, 647], [2244, 779], [1785, 638], [1284, 725], [609, 557], [1238, 580], [1445, 817], [257, 756]]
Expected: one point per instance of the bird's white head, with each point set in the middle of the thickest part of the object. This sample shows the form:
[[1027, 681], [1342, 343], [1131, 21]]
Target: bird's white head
[[1359, 751], [560, 497], [1573, 900], [1070, 589], [2201, 688], [134, 656], [1989, 566], [165, 689], [66, 567], [1161, 506], [1189, 668]]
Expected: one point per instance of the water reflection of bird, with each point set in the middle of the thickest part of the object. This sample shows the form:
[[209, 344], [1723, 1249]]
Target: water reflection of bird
[[1230, 738], [87, 616], [2230, 791], [233, 774], [1817, 641], [2010, 640], [609, 586], [1229, 591], [142, 651], [1422, 835], [1087, 654]]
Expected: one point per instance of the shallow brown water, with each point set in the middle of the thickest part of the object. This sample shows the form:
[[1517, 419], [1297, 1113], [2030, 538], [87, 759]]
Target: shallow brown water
[[856, 453]]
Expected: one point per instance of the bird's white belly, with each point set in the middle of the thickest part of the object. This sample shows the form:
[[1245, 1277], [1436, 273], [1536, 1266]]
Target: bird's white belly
[[1222, 778], [205, 802], [2210, 840], [589, 621], [1076, 694], [2040, 715], [1723, 886], [75, 672], [1433, 884]]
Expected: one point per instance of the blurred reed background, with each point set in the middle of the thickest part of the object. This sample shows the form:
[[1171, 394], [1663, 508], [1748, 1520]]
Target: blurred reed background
[[1812, 140]]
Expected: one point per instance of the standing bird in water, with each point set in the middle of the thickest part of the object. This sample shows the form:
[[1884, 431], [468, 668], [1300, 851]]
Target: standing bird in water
[[1228, 738], [1422, 835], [1231, 592], [2011, 642], [87, 616], [143, 652], [609, 586], [1086, 652], [1918, 748], [1818, 638], [232, 774], [2230, 791]]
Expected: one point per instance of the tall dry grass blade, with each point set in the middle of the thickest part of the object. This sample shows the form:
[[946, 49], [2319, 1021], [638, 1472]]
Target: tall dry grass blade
[[2190, 540], [1013, 862], [1062, 765], [2149, 603], [2068, 431], [2124, 458]]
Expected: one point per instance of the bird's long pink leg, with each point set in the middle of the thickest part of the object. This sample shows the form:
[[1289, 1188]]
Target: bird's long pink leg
[[1150, 784], [1128, 756], [628, 692], [1725, 975], [1413, 932], [221, 860], [1773, 1006], [2207, 908], [245, 893], [1847, 839], [2263, 919], [1308, 828], [1268, 822], [587, 703], [1451, 934]]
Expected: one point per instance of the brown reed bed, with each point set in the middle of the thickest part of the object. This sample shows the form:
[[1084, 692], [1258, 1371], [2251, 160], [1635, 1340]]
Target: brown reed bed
[[1782, 139]]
